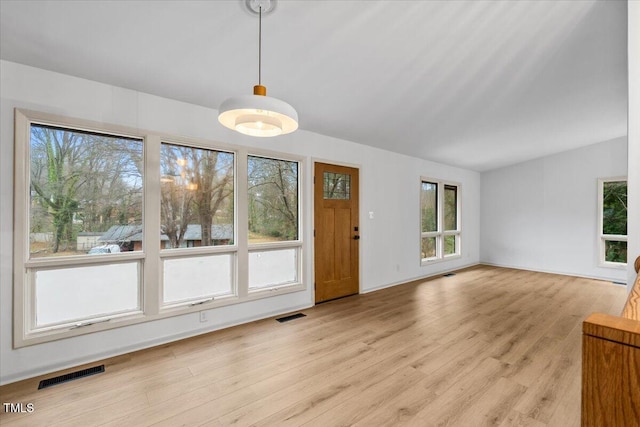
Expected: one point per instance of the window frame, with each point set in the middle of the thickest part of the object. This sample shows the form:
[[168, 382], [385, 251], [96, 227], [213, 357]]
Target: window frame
[[150, 258], [25, 267], [440, 234], [270, 246], [199, 251], [603, 238]]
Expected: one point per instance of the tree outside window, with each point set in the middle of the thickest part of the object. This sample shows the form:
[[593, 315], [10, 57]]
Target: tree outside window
[[80, 196], [196, 206], [82, 184], [614, 221], [273, 200], [439, 220]]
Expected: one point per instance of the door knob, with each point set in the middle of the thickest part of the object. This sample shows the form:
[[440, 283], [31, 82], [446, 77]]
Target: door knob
[[356, 237]]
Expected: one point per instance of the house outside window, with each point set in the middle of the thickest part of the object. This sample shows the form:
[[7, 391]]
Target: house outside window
[[197, 202], [81, 181], [116, 226]]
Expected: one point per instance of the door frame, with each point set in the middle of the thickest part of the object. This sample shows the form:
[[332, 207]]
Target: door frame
[[312, 169]]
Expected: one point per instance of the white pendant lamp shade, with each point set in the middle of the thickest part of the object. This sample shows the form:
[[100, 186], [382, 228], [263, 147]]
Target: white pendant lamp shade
[[258, 115]]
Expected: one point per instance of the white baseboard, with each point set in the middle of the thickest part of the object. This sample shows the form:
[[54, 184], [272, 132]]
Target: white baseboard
[[428, 276], [561, 273]]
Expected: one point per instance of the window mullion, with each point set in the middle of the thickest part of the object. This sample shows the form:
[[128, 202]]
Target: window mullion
[[440, 221], [151, 292], [429, 234], [617, 256], [23, 302], [242, 221], [614, 237]]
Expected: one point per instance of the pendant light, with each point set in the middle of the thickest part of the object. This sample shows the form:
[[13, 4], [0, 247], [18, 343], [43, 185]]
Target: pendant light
[[258, 114]]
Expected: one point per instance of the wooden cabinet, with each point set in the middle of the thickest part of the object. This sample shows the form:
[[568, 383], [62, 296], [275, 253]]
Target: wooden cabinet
[[610, 371]]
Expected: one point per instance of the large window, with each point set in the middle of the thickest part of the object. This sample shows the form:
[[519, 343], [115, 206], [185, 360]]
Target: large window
[[612, 201], [196, 211], [115, 226], [439, 220], [85, 192], [274, 244]]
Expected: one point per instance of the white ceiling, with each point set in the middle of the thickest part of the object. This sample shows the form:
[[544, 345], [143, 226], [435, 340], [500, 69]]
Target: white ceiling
[[477, 84]]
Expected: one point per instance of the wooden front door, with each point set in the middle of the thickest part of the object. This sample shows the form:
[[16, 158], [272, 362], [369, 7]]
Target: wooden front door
[[336, 231]]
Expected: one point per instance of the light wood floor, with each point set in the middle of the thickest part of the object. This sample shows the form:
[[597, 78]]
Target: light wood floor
[[488, 346]]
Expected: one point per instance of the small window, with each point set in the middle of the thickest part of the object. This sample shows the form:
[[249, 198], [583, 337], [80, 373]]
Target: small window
[[274, 267], [428, 247], [199, 277], [613, 222], [450, 219], [439, 221], [337, 186], [429, 206], [74, 294], [450, 207]]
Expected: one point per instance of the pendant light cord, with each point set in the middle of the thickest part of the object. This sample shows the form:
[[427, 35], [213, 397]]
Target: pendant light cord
[[260, 46]]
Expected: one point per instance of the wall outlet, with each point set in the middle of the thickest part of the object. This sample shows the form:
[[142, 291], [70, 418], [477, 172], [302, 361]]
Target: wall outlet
[[203, 317]]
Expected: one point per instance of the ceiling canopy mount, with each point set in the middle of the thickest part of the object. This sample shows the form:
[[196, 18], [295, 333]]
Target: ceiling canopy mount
[[258, 6]]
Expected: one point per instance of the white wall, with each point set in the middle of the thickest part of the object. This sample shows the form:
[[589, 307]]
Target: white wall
[[542, 215], [389, 187], [634, 138]]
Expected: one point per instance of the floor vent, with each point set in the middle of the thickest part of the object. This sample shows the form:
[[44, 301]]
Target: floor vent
[[291, 317], [71, 376], [448, 274]]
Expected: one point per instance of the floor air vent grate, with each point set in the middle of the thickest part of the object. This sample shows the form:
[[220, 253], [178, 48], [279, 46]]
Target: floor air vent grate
[[71, 376], [291, 317], [448, 274]]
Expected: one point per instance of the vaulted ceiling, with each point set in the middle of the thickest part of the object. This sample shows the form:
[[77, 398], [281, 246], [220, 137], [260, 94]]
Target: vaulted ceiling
[[478, 84]]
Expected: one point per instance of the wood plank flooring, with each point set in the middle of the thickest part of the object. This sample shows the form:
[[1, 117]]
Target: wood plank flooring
[[486, 347]]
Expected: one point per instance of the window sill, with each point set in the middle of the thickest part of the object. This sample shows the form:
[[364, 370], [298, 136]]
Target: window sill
[[613, 265], [54, 333], [259, 293], [430, 261]]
